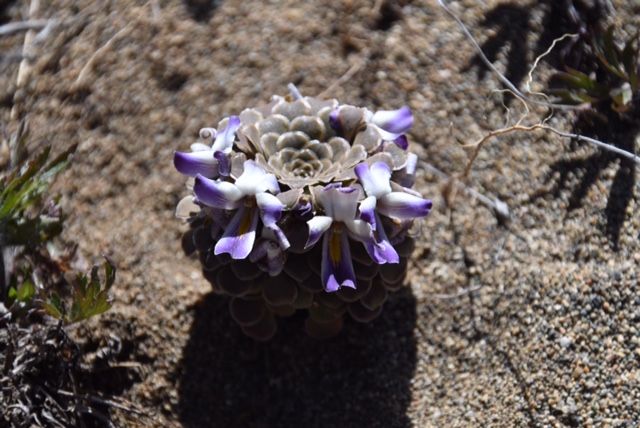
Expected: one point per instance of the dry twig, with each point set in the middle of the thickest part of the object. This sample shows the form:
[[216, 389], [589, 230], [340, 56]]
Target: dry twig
[[83, 79], [360, 62], [527, 99], [16, 27]]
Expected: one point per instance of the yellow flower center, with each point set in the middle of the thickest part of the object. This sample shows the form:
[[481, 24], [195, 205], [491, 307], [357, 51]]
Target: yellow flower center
[[245, 225], [334, 244]]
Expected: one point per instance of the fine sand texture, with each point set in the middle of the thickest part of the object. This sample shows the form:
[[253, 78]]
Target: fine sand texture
[[531, 322]]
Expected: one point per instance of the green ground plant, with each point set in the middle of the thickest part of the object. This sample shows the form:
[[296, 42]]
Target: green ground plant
[[32, 280], [41, 378], [613, 75]]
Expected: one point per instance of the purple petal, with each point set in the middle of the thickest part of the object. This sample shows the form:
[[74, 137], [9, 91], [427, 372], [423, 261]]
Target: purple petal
[[412, 163], [394, 121], [374, 179], [334, 121], [386, 136], [403, 206], [337, 268], [223, 163], [217, 194], [275, 259], [192, 164], [367, 212], [317, 226], [270, 213], [200, 147], [303, 210], [382, 251], [402, 142], [270, 208], [240, 235], [295, 93], [224, 139]]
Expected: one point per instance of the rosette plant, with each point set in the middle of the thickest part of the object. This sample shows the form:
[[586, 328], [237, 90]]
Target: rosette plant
[[302, 204]]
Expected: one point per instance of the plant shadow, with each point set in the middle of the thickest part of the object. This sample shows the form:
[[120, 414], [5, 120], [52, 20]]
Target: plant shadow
[[512, 25], [361, 378], [201, 10], [621, 131]]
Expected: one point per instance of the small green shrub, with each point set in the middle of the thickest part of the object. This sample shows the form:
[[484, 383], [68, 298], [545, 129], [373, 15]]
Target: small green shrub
[[32, 280], [613, 75]]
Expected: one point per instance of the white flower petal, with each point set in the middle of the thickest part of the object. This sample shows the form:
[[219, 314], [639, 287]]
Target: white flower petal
[[186, 207], [200, 147], [360, 230], [255, 180], [374, 179], [340, 203], [225, 138], [317, 226]]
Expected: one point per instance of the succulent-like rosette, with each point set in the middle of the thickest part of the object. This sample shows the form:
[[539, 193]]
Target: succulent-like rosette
[[302, 204]]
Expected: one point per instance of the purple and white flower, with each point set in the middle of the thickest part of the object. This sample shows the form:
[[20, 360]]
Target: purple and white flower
[[338, 225], [305, 170], [253, 196], [268, 254], [392, 124], [204, 160], [382, 200]]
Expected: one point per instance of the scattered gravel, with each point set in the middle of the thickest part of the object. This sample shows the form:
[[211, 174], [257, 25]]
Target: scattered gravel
[[550, 336]]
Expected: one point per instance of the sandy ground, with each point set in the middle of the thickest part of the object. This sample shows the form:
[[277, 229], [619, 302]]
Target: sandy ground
[[550, 338]]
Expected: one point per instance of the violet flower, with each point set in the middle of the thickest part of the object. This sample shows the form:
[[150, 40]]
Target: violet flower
[[392, 124], [268, 254], [339, 223], [252, 195], [202, 160], [382, 200], [315, 170]]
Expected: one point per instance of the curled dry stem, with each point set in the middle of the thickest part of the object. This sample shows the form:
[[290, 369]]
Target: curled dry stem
[[528, 100]]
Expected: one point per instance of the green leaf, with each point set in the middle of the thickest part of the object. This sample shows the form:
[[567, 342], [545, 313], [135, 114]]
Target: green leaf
[[12, 295], [89, 296], [29, 170], [109, 271], [24, 188], [571, 97], [630, 60], [59, 163], [608, 53], [54, 306], [611, 51], [26, 292], [578, 80], [32, 231]]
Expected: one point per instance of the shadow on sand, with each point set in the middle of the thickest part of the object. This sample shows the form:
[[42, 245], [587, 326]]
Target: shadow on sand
[[361, 378]]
